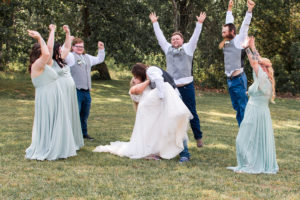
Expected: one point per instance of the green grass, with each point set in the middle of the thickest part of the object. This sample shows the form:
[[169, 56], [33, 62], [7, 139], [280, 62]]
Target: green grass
[[105, 176]]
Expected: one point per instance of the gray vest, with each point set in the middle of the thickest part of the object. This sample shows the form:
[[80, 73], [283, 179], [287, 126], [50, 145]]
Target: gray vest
[[81, 72], [232, 57], [179, 64]]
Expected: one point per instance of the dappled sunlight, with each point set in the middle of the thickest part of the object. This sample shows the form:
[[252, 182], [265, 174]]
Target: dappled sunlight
[[215, 113], [106, 100], [210, 193], [214, 121], [25, 101], [219, 146], [286, 124], [107, 86]]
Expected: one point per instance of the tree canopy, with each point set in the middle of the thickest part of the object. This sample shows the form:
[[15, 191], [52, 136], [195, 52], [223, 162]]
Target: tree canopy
[[125, 28]]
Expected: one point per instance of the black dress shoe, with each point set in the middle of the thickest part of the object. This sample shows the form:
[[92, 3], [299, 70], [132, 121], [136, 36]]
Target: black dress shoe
[[87, 137]]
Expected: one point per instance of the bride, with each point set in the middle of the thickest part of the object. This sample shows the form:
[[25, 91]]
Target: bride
[[160, 125]]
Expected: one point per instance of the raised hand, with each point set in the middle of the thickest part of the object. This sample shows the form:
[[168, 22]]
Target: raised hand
[[201, 17], [66, 29], [34, 34], [153, 17], [100, 45], [52, 27], [230, 5], [250, 5]]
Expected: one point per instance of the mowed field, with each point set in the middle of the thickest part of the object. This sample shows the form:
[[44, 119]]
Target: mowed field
[[104, 176]]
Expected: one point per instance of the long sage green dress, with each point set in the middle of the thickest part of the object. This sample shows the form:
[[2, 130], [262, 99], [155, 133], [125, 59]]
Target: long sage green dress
[[52, 136], [255, 145], [68, 88]]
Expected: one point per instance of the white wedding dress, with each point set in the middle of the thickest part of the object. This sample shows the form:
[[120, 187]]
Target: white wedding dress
[[160, 126]]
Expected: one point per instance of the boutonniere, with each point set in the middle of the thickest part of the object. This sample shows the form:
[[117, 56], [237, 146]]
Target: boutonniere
[[79, 62]]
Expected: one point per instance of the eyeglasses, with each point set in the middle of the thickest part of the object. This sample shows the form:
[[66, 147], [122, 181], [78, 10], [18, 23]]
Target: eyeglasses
[[79, 47]]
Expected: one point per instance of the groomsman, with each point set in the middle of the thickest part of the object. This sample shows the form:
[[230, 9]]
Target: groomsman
[[234, 59], [80, 64], [179, 58]]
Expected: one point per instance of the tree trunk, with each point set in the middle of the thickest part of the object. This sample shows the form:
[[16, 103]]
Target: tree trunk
[[175, 15], [103, 71], [86, 26]]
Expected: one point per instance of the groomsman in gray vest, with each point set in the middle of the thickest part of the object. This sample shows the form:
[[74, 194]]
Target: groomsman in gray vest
[[179, 58], [234, 59], [80, 64]]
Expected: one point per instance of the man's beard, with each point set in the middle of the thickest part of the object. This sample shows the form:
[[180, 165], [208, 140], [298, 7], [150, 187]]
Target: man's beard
[[230, 36]]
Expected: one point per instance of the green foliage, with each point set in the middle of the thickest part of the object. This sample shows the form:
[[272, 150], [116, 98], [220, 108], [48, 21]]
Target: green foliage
[[125, 28]]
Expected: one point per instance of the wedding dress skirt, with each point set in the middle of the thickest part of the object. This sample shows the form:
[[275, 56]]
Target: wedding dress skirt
[[160, 127]]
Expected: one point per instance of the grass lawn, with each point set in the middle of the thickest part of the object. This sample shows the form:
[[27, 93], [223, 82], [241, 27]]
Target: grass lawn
[[105, 176]]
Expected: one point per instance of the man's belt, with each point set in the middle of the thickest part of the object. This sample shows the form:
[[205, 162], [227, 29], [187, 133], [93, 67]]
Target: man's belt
[[83, 90]]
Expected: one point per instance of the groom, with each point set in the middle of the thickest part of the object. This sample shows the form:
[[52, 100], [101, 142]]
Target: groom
[[179, 57], [157, 77]]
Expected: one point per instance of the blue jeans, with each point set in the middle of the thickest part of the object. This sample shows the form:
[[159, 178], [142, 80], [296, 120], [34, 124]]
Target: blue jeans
[[185, 152], [84, 104], [237, 89], [187, 93]]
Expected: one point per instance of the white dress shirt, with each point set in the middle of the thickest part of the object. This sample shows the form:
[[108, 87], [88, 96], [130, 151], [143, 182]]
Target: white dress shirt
[[189, 47], [243, 33]]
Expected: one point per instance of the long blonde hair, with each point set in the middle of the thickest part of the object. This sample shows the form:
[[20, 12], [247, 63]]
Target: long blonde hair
[[135, 104], [270, 73]]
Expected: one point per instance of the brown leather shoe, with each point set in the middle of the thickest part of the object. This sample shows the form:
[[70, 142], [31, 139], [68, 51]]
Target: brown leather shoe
[[199, 143]]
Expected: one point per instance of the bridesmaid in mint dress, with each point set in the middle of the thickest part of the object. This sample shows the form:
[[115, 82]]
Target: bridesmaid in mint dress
[[255, 145], [52, 136], [68, 86]]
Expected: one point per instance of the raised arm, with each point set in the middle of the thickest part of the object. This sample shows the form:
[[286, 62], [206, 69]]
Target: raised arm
[[192, 44], [50, 42], [95, 60], [253, 48], [40, 63], [253, 58], [245, 25], [164, 44], [139, 88], [229, 16], [69, 59], [67, 46]]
